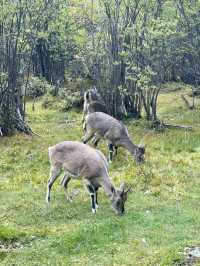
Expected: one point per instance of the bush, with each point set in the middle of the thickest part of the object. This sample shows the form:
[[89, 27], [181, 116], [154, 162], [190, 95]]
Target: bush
[[37, 87], [48, 102], [69, 96], [70, 101]]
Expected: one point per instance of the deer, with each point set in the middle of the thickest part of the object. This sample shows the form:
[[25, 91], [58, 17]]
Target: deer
[[93, 103], [80, 161], [104, 126]]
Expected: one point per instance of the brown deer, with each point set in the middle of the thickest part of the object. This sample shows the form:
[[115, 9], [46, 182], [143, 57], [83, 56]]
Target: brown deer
[[102, 125], [80, 161]]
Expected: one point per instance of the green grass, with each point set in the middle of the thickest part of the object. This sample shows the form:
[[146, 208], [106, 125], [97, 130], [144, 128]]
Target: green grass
[[162, 212]]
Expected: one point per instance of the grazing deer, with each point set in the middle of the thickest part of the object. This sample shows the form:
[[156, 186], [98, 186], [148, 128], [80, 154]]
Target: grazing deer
[[80, 161], [102, 125]]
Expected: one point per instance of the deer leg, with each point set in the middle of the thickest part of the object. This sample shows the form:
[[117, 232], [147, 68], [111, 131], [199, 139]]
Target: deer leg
[[111, 150], [87, 137], [54, 173], [115, 150], [92, 192], [95, 140], [96, 202], [65, 180]]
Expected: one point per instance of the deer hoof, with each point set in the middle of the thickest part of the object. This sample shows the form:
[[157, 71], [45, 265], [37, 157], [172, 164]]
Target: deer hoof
[[93, 210]]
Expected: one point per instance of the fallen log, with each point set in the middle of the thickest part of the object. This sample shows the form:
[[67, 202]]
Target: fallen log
[[158, 124], [178, 126], [187, 102]]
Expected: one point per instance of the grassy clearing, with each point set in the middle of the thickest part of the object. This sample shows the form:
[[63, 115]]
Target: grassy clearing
[[162, 214]]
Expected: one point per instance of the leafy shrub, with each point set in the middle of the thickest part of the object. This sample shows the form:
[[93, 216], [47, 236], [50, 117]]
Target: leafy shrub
[[37, 87], [52, 102], [47, 102], [62, 104], [70, 96], [70, 99]]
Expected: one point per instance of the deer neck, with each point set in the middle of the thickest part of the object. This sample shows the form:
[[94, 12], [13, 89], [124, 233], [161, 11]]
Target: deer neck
[[129, 145], [108, 188]]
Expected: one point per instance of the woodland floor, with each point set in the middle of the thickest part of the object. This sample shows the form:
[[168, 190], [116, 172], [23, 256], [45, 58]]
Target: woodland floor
[[162, 212]]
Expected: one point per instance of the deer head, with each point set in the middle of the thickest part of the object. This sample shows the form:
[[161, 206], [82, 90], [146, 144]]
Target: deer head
[[139, 154], [119, 198]]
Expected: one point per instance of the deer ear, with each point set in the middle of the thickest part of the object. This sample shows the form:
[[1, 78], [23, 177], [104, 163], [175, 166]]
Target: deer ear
[[122, 187], [124, 190], [113, 190], [113, 193]]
